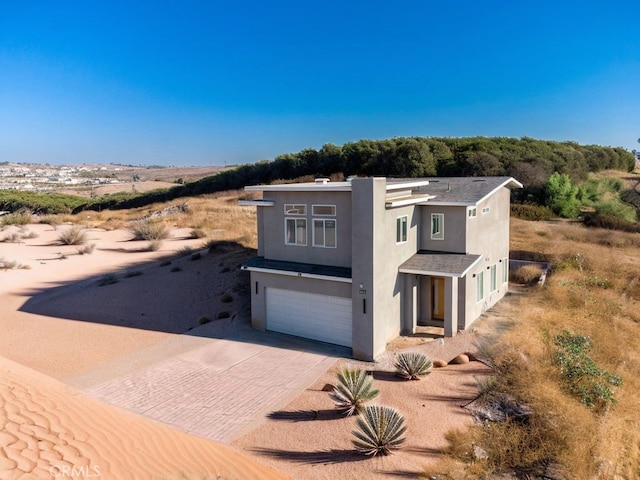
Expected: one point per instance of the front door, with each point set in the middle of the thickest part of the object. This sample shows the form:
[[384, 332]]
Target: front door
[[437, 298]]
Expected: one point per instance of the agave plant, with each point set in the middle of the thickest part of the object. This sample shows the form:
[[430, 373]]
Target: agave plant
[[412, 365], [381, 430], [353, 390]]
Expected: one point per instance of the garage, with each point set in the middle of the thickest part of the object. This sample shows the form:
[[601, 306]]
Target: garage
[[319, 317]]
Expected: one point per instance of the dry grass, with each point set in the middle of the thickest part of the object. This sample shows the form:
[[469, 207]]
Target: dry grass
[[594, 290]]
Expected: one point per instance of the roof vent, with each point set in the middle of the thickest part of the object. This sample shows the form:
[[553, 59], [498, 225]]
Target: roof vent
[[321, 181]]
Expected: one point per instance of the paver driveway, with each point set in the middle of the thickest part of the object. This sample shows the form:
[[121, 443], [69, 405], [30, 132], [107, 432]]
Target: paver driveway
[[220, 389]]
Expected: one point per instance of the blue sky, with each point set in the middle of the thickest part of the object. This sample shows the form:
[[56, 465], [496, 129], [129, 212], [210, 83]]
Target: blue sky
[[215, 82]]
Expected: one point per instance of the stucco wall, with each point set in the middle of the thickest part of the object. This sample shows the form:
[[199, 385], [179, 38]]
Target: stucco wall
[[273, 231], [455, 235]]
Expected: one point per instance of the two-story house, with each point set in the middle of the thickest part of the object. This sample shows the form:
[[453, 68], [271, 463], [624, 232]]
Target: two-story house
[[358, 263]]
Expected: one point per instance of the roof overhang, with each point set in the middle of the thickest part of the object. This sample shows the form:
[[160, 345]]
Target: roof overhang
[[440, 264], [297, 269], [256, 203]]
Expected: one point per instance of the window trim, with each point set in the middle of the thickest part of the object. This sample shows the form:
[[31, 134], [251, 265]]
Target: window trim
[[295, 243], [472, 212], [479, 286], [439, 235], [493, 284], [324, 222], [293, 207], [505, 270], [316, 214], [402, 229], [486, 210]]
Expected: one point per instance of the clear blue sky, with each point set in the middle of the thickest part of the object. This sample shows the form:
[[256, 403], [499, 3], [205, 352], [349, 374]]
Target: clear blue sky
[[209, 82]]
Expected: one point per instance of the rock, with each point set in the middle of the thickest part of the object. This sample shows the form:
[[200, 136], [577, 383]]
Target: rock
[[439, 363], [460, 359]]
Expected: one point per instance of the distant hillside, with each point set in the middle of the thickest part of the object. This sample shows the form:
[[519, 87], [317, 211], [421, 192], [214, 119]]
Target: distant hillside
[[530, 161]]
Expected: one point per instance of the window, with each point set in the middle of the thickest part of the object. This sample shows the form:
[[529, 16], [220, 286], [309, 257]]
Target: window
[[401, 229], [324, 233], [437, 226], [485, 210], [505, 270], [472, 212], [296, 231], [295, 209], [323, 210], [494, 278], [480, 287]]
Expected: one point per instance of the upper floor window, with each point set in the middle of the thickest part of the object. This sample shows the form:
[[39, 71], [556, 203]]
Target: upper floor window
[[295, 209], [437, 226], [485, 210], [402, 229], [323, 210], [472, 212], [324, 232], [295, 231]]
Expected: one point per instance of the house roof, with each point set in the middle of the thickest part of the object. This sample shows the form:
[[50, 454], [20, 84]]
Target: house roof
[[310, 270], [465, 190], [437, 263]]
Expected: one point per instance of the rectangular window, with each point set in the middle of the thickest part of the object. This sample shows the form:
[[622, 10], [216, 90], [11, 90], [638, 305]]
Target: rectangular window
[[401, 229], [295, 209], [437, 226], [323, 210], [505, 270], [295, 231], [480, 287], [485, 210], [494, 278], [472, 212], [324, 233]]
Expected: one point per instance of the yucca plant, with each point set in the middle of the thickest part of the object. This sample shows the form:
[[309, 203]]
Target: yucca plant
[[380, 430], [353, 390], [412, 365]]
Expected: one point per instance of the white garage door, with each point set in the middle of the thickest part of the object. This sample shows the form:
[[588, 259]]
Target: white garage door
[[309, 315]]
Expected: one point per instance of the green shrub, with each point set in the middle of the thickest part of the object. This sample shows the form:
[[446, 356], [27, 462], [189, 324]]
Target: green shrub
[[21, 217], [226, 298], [380, 430], [412, 365], [223, 314], [596, 220], [354, 388], [526, 211], [74, 235], [615, 208], [581, 376], [560, 195]]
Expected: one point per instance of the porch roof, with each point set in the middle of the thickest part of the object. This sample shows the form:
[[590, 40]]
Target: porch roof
[[311, 270], [440, 264]]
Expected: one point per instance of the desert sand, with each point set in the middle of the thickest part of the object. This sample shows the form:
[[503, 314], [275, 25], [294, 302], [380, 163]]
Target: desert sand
[[58, 323]]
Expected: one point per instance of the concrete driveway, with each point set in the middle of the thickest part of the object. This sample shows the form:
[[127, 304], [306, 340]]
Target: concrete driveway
[[211, 387]]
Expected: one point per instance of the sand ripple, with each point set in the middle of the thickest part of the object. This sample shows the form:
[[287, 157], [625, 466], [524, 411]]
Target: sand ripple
[[48, 430]]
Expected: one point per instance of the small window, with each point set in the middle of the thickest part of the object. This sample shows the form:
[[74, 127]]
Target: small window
[[295, 209], [505, 270], [323, 210], [324, 233], [480, 287], [485, 210], [295, 231], [472, 212], [494, 278], [437, 226], [401, 229]]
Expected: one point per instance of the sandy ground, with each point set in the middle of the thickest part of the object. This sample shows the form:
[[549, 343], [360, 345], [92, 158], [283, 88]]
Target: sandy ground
[[45, 423]]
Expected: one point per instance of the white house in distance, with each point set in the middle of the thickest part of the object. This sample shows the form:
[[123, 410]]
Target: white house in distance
[[358, 263]]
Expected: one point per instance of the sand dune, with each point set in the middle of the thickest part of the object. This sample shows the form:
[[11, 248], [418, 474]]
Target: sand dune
[[49, 430]]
